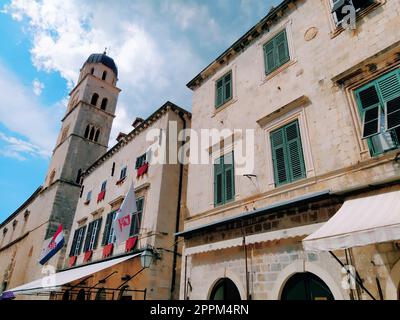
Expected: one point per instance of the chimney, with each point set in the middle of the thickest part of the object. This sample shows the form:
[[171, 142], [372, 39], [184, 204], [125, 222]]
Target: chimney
[[137, 122]]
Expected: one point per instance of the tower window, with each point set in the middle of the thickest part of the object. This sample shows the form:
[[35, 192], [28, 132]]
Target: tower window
[[91, 135], [92, 71], [95, 97], [104, 76], [104, 104], [78, 176], [96, 136], [113, 169], [87, 131]]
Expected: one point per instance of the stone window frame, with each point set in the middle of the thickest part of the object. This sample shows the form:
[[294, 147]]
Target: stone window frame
[[299, 114], [232, 68], [285, 25], [335, 30], [214, 155]]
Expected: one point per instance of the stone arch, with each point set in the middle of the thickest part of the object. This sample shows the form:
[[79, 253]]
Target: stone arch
[[95, 97], [392, 291], [92, 132], [103, 105], [217, 276], [97, 135], [302, 266]]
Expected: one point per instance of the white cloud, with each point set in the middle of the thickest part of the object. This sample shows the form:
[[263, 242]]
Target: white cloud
[[19, 149], [21, 112], [154, 63], [37, 87]]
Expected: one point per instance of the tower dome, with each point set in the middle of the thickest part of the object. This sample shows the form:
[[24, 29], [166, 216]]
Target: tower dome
[[103, 59]]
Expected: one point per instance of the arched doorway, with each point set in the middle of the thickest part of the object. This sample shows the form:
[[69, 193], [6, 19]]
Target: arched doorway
[[225, 289], [306, 286], [81, 295], [65, 296], [101, 294]]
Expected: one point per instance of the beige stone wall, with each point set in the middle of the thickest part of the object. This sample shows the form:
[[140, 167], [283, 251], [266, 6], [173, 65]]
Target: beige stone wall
[[315, 87]]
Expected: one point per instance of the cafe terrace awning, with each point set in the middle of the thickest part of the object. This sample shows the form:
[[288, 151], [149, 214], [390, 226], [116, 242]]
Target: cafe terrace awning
[[55, 281], [359, 222], [255, 238]]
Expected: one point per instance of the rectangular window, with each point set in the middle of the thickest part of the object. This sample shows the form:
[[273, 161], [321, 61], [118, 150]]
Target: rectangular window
[[287, 154], [340, 11], [276, 52], [137, 218], [224, 179], [89, 196], [123, 173], [77, 241], [108, 235], [223, 89], [379, 106], [140, 161], [92, 235], [103, 186]]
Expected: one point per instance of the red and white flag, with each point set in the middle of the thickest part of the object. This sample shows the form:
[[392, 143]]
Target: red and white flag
[[123, 219]]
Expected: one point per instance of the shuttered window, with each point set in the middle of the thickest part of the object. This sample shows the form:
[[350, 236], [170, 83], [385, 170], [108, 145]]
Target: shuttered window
[[339, 12], [224, 179], [140, 161], [137, 218], [92, 235], [223, 89], [379, 107], [108, 234], [77, 242], [276, 52], [287, 154]]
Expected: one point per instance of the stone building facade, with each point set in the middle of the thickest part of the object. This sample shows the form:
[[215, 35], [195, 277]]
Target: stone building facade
[[307, 88], [83, 138], [159, 194]]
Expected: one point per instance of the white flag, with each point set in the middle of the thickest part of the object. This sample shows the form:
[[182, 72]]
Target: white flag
[[123, 219]]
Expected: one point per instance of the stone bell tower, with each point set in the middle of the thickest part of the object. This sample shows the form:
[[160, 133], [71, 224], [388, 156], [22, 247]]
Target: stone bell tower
[[84, 135]]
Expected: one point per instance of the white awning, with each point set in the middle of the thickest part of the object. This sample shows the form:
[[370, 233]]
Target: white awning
[[53, 282], [359, 222], [260, 237]]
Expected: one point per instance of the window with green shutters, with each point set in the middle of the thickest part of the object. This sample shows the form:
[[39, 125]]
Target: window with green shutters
[[276, 52], [379, 106], [224, 179], [287, 154], [77, 242], [92, 235], [108, 234], [223, 89], [137, 218]]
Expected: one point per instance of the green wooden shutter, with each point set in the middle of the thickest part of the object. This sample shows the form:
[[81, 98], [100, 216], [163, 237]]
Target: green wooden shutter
[[389, 89], [392, 111], [107, 228], [370, 108], [294, 151], [228, 86], [82, 240], [219, 93], [97, 232], [88, 237], [281, 170], [269, 57], [71, 252], [281, 48], [229, 176], [218, 182]]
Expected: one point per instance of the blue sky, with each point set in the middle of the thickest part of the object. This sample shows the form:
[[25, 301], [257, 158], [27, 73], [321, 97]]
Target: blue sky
[[158, 45]]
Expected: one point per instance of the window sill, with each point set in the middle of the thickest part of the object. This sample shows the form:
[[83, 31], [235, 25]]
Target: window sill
[[223, 106], [120, 181], [277, 71], [339, 29]]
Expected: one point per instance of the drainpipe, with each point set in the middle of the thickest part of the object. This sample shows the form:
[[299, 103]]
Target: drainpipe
[[178, 213]]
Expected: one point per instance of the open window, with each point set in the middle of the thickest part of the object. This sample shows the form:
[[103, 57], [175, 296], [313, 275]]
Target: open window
[[340, 11]]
